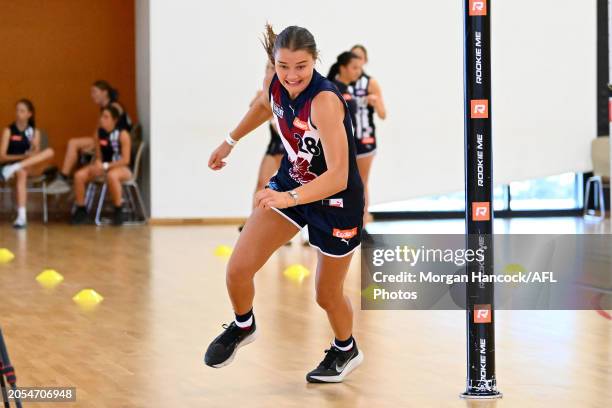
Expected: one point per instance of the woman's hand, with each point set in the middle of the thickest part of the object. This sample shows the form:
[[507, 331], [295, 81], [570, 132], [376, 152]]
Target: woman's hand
[[216, 158], [267, 198]]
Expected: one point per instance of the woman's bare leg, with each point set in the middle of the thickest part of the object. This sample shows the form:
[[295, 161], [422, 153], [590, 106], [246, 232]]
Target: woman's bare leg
[[331, 272], [115, 177], [81, 178], [365, 164], [21, 183], [264, 232], [75, 146], [37, 158]]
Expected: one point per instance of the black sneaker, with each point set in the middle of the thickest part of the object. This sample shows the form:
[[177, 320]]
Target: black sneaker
[[118, 216], [222, 350], [336, 365], [79, 216]]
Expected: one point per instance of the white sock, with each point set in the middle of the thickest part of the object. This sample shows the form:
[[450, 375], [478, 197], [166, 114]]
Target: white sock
[[246, 324], [347, 348], [8, 171], [21, 216]]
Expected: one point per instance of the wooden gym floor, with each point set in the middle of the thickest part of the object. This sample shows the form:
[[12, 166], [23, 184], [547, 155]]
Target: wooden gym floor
[[165, 300]]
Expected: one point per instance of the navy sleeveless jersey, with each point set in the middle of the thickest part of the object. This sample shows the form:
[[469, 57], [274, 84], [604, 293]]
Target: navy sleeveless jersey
[[304, 159], [364, 123], [347, 93], [20, 141], [110, 144]]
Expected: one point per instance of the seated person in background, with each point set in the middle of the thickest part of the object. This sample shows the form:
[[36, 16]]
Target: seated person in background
[[19, 152], [113, 147], [103, 95]]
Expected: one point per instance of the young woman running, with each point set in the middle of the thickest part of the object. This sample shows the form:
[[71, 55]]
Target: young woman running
[[112, 159], [19, 153], [317, 185], [103, 95], [369, 100]]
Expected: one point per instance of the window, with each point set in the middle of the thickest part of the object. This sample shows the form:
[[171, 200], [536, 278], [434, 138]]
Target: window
[[551, 193], [440, 203]]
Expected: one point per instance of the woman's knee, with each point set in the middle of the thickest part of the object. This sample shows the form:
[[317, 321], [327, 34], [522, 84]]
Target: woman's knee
[[21, 174], [328, 299], [73, 145], [239, 269], [113, 176], [82, 175], [118, 175]]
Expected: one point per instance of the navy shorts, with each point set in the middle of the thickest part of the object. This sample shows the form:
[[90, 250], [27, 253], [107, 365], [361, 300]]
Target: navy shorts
[[331, 229], [365, 146]]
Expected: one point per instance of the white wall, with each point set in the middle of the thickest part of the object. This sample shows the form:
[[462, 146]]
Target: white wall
[[207, 62], [143, 88]]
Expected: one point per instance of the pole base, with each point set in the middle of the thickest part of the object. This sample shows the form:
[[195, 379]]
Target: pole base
[[479, 396]]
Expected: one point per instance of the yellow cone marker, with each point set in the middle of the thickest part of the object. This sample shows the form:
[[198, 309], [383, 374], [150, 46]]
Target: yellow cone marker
[[296, 273], [514, 269], [368, 293], [223, 250], [6, 256], [88, 298], [49, 278]]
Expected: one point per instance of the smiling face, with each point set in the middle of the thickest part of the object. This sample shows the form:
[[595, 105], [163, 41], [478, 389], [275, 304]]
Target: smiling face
[[294, 69]]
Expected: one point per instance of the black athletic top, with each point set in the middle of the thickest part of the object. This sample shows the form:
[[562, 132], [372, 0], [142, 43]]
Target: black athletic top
[[347, 92], [364, 124], [20, 141], [110, 144]]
